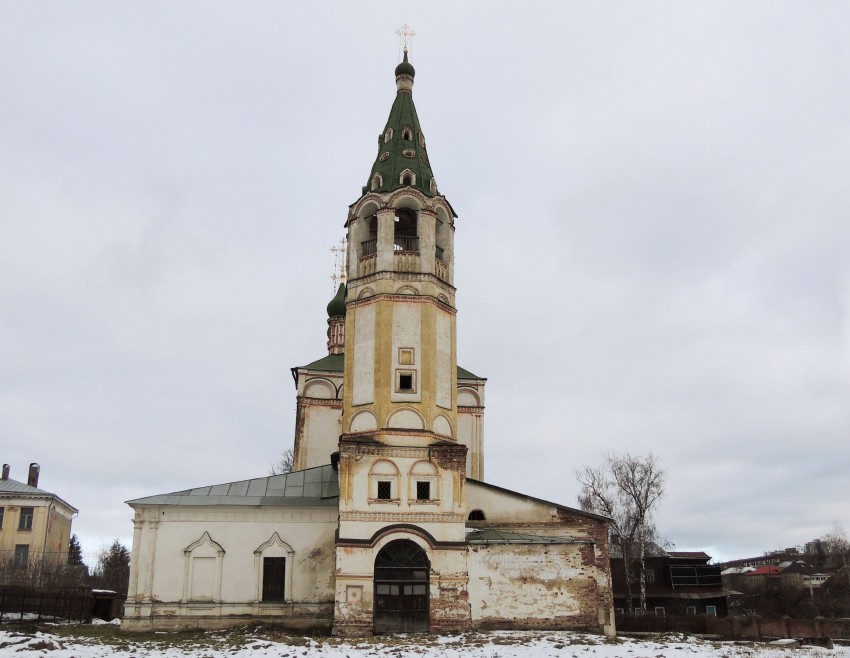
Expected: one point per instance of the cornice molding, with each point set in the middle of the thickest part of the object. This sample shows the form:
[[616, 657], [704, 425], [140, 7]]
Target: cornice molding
[[392, 297], [319, 402]]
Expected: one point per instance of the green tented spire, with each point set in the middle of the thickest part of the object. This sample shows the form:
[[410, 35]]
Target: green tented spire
[[402, 159]]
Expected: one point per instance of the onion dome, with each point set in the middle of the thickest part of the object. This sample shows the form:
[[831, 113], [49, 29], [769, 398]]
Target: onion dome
[[405, 68], [336, 308]]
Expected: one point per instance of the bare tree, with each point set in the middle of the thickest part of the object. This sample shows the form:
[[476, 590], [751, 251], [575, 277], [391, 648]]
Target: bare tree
[[284, 464], [837, 546], [625, 488]]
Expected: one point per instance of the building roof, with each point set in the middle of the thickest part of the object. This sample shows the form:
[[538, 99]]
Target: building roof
[[765, 570], [397, 154], [689, 555], [651, 550], [329, 363], [336, 363], [463, 373], [491, 536], [799, 567], [494, 487], [317, 486], [15, 488]]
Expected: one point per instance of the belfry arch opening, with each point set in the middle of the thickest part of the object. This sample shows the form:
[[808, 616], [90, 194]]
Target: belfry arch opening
[[401, 588], [405, 230]]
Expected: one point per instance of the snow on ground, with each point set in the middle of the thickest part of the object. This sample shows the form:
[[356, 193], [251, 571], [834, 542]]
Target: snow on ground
[[69, 642]]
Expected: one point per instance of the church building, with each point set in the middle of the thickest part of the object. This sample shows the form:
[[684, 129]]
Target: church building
[[386, 523]]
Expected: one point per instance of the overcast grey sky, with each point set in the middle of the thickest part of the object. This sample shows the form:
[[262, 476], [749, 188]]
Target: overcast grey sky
[[651, 249]]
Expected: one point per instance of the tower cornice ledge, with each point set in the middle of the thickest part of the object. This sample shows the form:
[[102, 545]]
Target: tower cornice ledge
[[372, 440], [421, 277], [417, 299]]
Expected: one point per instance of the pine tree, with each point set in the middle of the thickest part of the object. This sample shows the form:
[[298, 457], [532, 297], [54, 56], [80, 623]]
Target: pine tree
[[75, 552], [113, 568]]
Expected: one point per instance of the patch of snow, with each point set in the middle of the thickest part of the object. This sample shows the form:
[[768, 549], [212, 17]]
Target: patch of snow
[[513, 644]]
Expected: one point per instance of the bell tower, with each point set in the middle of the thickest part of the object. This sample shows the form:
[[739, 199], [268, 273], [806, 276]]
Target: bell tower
[[400, 351], [402, 469]]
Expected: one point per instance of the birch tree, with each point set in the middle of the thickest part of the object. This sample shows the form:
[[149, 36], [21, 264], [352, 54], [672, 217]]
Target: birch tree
[[625, 488]]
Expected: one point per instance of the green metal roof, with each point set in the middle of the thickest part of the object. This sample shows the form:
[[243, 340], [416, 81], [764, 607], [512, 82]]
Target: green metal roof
[[463, 373], [329, 363], [313, 486], [398, 154], [336, 363]]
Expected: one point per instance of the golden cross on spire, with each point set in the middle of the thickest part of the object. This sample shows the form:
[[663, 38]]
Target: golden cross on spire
[[405, 32], [340, 253]]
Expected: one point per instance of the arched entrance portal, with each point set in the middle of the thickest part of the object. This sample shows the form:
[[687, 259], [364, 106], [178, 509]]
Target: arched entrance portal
[[401, 588]]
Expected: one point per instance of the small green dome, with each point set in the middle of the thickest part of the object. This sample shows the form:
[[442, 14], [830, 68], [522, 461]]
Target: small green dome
[[337, 306], [405, 68]]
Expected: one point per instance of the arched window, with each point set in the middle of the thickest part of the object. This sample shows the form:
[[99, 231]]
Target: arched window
[[377, 181], [405, 230], [433, 186], [384, 482], [388, 135], [407, 133], [422, 140], [423, 482], [407, 177], [273, 567], [476, 515]]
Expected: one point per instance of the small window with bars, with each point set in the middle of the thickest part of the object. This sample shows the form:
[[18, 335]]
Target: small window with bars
[[423, 491], [385, 490]]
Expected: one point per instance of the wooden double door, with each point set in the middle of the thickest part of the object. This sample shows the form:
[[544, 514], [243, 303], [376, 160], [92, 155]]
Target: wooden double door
[[401, 588]]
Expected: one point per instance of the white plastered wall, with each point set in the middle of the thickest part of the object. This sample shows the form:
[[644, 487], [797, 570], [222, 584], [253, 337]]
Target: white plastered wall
[[225, 541]]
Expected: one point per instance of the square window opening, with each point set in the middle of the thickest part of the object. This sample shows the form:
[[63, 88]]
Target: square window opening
[[405, 381], [385, 490]]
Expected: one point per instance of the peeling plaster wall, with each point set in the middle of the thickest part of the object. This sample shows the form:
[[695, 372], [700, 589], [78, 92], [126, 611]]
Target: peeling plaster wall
[[575, 591], [533, 586]]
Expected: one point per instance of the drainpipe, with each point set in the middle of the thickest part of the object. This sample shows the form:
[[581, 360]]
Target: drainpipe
[[46, 531]]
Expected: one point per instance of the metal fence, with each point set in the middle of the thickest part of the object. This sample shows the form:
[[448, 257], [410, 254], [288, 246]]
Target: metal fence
[[38, 604]]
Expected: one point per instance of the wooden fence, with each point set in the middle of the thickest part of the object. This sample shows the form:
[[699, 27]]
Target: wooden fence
[[736, 628]]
